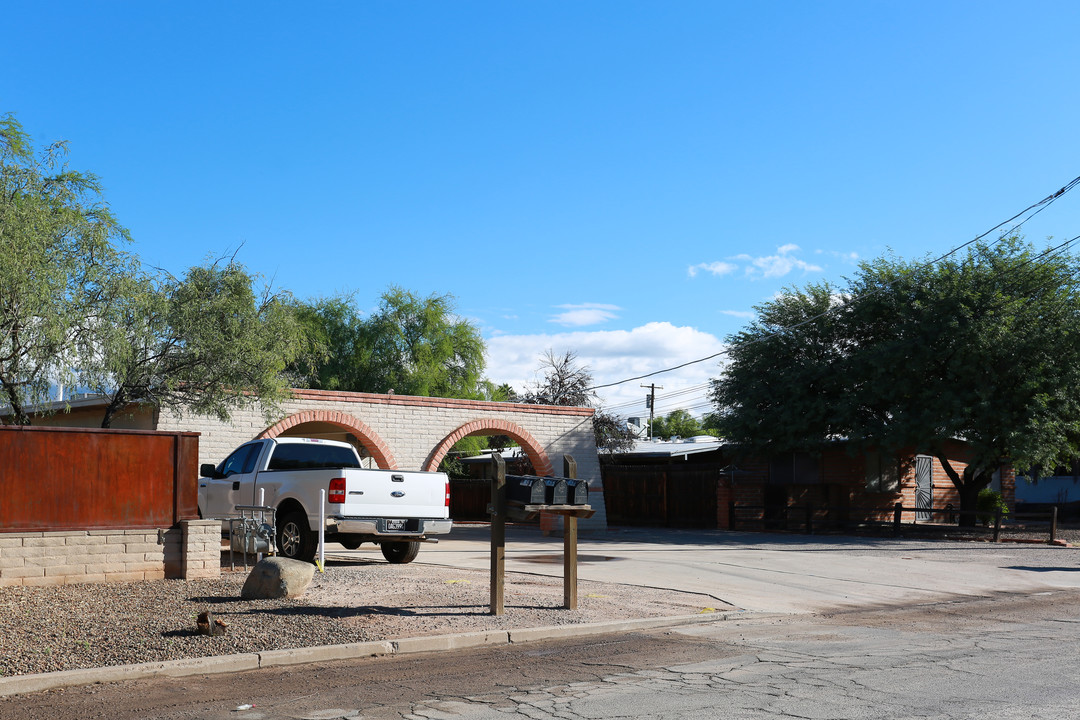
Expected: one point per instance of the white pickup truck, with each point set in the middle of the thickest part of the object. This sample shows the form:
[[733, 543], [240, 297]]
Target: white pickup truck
[[393, 508]]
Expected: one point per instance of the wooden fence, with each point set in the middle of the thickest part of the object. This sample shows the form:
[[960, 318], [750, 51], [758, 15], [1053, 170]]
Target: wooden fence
[[469, 499], [661, 495], [82, 479]]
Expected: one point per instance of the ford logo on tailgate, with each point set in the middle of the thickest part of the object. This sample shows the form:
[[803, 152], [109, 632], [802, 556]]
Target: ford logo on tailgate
[[397, 493]]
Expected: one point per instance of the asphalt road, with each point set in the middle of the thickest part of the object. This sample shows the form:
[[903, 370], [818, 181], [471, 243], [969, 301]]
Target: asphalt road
[[1012, 656]]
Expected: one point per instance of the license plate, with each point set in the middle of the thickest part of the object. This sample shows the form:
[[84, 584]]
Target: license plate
[[397, 525]]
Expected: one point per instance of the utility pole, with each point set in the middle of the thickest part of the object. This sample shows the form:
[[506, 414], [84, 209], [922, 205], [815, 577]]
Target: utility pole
[[650, 402]]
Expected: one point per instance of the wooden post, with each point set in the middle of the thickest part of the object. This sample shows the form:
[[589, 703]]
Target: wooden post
[[997, 524], [898, 510], [569, 544], [809, 519], [498, 533], [1053, 523]]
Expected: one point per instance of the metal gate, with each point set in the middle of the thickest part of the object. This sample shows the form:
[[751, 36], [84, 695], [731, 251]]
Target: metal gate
[[924, 488]]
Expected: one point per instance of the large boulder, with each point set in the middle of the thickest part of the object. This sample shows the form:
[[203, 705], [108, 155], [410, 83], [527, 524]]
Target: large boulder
[[277, 577]]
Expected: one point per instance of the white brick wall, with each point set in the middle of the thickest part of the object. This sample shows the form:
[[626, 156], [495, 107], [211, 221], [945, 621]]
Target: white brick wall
[[411, 428]]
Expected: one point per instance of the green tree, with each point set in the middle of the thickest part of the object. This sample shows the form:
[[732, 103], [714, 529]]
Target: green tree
[[910, 356], [58, 252], [420, 347], [337, 330], [676, 423], [710, 424], [208, 343], [410, 345]]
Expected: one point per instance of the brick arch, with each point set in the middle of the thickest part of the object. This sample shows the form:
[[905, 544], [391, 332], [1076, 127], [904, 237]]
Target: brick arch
[[540, 462], [380, 451]]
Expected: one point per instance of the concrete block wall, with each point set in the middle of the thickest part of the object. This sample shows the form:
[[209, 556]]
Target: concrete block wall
[[57, 558], [94, 556]]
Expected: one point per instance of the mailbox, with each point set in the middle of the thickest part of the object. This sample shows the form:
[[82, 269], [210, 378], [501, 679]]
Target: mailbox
[[534, 490], [554, 491], [525, 489], [577, 492]]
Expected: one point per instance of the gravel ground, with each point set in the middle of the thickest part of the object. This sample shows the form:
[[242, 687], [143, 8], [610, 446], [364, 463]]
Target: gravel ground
[[93, 625]]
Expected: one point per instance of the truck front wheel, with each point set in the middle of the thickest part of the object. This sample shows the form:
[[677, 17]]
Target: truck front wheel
[[401, 552], [294, 538]]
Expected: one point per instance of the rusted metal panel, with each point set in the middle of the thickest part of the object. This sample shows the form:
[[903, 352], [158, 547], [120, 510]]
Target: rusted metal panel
[[187, 477], [77, 479]]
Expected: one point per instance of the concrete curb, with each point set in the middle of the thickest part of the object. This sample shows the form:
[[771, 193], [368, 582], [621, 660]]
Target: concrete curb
[[223, 664]]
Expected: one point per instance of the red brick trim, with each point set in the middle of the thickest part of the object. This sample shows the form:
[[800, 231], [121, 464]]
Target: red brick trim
[[380, 451], [430, 402], [493, 426]]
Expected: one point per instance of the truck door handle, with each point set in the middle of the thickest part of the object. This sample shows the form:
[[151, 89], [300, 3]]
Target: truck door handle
[[236, 485]]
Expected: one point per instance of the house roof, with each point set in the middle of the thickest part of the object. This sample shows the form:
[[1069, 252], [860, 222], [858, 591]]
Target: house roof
[[672, 448]]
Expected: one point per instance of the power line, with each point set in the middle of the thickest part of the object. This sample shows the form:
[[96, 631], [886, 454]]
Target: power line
[[1038, 207], [692, 389]]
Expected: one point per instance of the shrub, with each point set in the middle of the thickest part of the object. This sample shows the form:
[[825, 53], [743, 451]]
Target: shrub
[[989, 501]]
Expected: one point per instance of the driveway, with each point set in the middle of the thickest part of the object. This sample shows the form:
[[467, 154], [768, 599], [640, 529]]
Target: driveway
[[772, 572]]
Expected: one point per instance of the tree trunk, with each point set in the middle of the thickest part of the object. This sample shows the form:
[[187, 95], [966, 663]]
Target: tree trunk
[[969, 499], [118, 401], [967, 487], [18, 414]]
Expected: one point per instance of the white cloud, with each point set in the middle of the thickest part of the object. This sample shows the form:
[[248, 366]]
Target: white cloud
[[715, 268], [613, 355], [846, 257], [778, 265], [742, 314], [585, 314]]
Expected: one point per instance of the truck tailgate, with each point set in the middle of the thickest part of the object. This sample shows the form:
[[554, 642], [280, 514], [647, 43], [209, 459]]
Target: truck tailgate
[[395, 494]]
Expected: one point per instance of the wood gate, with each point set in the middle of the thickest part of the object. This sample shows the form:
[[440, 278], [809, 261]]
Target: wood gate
[[661, 495]]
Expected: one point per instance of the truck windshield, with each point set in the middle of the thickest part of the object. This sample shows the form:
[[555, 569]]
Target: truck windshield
[[304, 456]]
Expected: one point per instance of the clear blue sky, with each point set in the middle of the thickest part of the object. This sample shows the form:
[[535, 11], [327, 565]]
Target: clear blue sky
[[622, 179]]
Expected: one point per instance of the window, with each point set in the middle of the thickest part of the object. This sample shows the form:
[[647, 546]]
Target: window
[[242, 460], [304, 456], [794, 468], [882, 473]]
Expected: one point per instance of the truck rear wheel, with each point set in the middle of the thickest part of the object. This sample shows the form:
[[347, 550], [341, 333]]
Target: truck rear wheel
[[294, 538], [401, 552]]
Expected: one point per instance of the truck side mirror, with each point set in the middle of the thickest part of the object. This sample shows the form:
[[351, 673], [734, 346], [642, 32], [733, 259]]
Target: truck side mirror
[[208, 470]]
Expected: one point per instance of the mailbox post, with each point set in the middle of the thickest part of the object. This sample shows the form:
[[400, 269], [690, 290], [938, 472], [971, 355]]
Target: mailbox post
[[569, 556], [498, 533]]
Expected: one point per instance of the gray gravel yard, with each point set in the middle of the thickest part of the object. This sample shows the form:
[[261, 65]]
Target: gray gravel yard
[[92, 625]]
